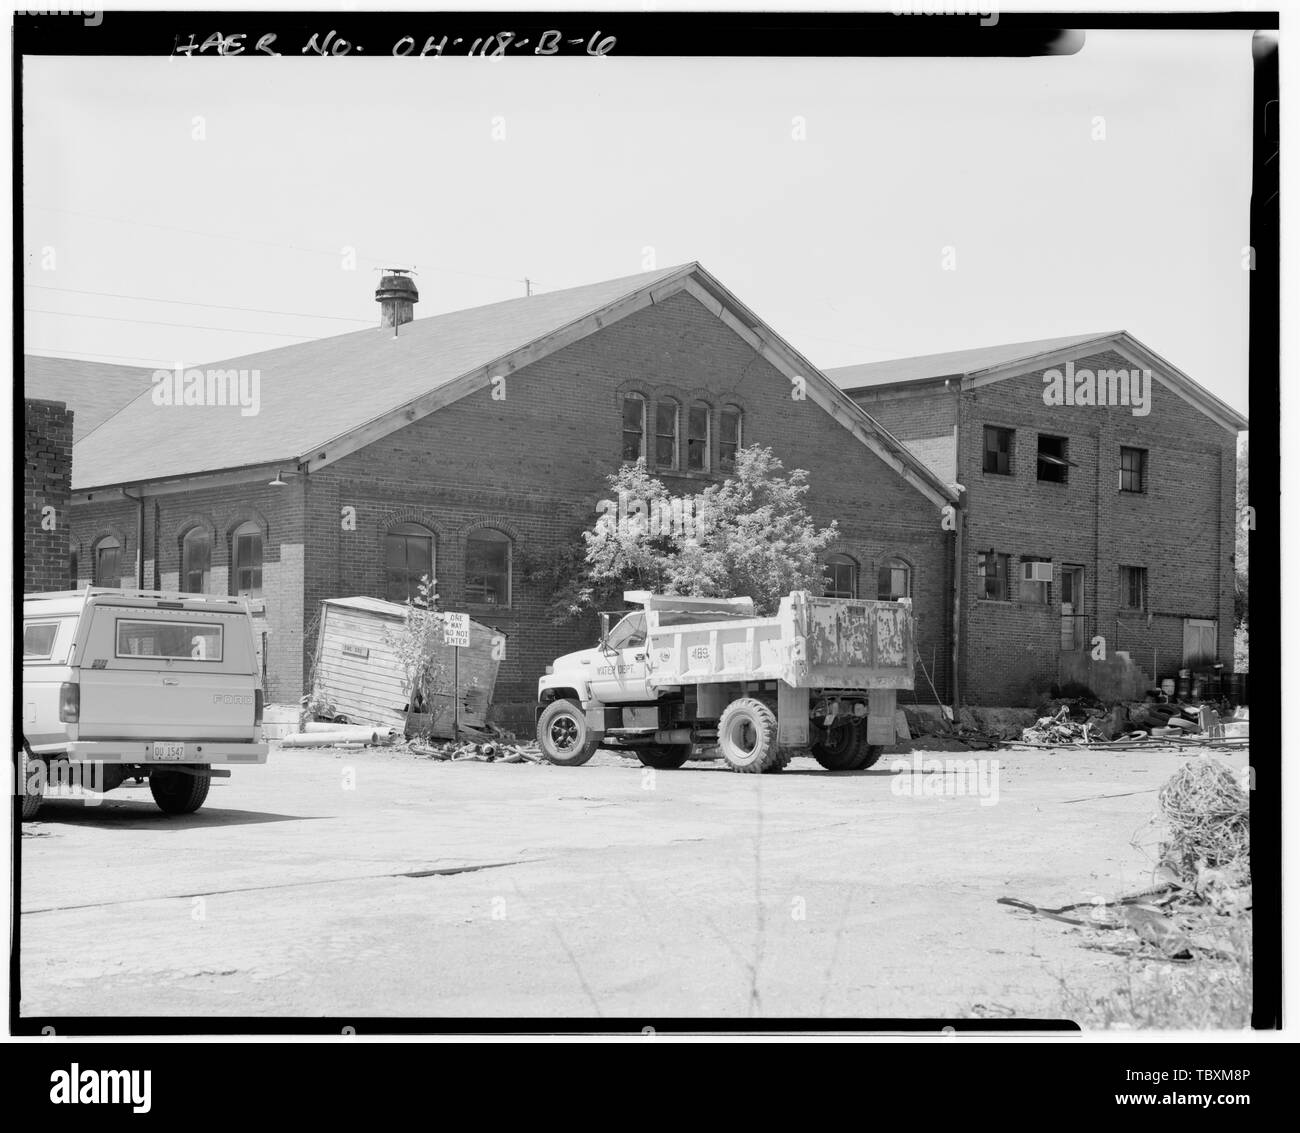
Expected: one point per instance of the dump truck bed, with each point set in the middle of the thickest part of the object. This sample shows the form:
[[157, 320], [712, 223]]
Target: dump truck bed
[[810, 642]]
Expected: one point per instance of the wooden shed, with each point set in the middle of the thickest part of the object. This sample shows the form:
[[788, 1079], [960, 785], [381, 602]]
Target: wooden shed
[[358, 675]]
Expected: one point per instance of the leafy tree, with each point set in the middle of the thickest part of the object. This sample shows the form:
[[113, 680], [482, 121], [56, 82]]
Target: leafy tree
[[749, 536], [418, 644]]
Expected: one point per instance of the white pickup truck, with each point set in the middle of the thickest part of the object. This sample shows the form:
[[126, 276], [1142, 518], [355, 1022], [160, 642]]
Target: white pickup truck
[[134, 684], [820, 677]]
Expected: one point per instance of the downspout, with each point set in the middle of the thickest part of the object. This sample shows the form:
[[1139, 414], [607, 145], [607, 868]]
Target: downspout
[[958, 552], [139, 537]]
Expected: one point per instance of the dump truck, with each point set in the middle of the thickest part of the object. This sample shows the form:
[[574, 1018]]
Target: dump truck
[[820, 677], [137, 684]]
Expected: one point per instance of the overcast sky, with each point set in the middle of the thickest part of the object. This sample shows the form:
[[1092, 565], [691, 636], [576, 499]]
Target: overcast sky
[[837, 241]]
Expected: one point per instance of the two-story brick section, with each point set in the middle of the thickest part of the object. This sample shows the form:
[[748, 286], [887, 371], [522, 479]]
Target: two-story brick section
[[1097, 515], [473, 445]]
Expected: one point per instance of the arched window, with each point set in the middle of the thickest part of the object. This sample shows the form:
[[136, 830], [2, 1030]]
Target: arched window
[[666, 414], [487, 567], [841, 577], [108, 562], [196, 560], [729, 438], [633, 427], [893, 580], [697, 437], [246, 560], [408, 557], [74, 562]]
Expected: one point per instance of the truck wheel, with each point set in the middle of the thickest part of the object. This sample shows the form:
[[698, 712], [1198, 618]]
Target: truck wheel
[[33, 789], [177, 792], [563, 735], [841, 747], [870, 756], [665, 757], [747, 737]]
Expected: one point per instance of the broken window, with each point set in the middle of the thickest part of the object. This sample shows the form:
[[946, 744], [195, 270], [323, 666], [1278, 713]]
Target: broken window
[[893, 580], [196, 561], [697, 438], [729, 439], [246, 556], [1133, 587], [997, 450], [408, 557], [108, 562], [487, 567], [666, 434], [633, 427], [1053, 459], [1132, 470], [841, 577], [1035, 580], [992, 569]]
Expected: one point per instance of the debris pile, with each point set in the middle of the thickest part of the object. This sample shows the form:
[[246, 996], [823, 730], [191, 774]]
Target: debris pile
[[1085, 722], [1208, 815], [491, 751]]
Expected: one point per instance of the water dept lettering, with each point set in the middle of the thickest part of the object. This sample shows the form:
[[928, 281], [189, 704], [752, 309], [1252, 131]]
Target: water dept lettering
[[101, 1087], [1099, 387], [209, 387]]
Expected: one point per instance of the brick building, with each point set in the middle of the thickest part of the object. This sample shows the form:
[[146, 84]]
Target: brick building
[[475, 445], [47, 491], [1107, 514]]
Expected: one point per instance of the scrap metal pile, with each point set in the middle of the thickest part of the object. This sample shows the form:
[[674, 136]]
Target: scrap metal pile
[[1081, 723]]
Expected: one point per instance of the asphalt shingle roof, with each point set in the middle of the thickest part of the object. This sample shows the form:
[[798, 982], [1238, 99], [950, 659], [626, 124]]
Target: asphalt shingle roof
[[955, 363], [312, 392], [94, 391]]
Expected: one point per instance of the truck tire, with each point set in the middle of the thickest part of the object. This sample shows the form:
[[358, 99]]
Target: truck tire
[[179, 792], [563, 735], [32, 799], [747, 737], [843, 746], [664, 757], [870, 756]]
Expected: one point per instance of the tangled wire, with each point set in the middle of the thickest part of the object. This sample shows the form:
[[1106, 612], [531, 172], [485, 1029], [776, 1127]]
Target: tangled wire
[[1209, 818]]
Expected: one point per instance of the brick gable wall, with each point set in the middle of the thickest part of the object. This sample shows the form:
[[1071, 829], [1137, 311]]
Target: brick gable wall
[[47, 476]]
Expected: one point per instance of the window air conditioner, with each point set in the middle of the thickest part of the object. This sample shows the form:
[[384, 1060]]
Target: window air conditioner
[[1037, 572]]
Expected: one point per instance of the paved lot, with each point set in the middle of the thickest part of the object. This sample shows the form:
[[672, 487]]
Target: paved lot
[[374, 884]]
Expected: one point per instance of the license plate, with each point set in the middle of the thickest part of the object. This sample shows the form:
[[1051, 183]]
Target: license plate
[[162, 750]]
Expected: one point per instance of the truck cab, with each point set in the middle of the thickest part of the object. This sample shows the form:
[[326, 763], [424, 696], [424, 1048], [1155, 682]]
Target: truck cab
[[133, 684]]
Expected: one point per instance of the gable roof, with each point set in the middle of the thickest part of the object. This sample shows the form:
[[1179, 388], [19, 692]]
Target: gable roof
[[323, 399], [954, 363], [94, 391], [982, 365]]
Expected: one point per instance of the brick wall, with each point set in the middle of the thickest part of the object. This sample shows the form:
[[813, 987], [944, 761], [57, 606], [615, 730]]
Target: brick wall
[[47, 475], [925, 419], [1180, 529], [277, 512]]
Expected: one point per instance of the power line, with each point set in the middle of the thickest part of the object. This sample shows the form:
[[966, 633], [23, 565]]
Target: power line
[[97, 355], [187, 303], [384, 262], [157, 323]]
